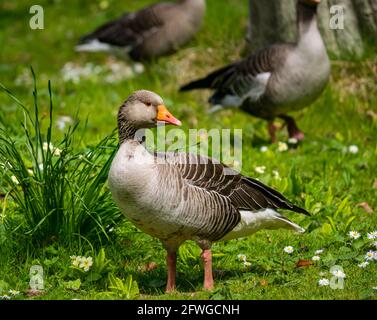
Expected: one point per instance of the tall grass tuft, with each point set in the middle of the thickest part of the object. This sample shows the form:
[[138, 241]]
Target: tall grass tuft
[[60, 194]]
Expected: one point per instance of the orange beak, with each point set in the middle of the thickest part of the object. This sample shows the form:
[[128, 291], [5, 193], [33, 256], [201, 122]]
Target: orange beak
[[164, 115]]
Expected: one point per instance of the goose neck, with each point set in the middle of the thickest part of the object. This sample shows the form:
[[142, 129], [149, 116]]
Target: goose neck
[[195, 4], [306, 19], [127, 131]]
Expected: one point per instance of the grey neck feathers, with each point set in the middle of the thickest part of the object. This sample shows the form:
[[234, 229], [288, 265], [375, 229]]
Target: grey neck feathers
[[196, 4], [306, 19], [126, 130]]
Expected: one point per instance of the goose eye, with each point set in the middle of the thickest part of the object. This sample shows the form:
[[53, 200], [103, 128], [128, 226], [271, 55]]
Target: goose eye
[[148, 104]]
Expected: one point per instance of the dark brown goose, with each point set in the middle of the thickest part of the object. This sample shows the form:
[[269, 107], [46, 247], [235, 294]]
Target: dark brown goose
[[154, 31], [277, 79], [179, 196]]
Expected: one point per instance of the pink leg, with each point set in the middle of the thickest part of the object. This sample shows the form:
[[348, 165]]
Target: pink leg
[[293, 130], [171, 261], [272, 128], [208, 277]]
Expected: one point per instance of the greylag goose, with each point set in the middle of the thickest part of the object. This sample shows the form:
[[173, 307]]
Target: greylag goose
[[154, 31], [181, 196], [277, 79]]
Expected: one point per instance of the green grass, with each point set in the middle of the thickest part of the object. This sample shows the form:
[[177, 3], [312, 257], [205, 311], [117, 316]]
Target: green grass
[[317, 174]]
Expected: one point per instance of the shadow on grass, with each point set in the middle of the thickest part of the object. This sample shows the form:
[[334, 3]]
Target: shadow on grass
[[189, 281]]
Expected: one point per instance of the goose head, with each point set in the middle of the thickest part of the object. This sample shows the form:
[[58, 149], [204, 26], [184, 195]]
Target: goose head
[[143, 109]]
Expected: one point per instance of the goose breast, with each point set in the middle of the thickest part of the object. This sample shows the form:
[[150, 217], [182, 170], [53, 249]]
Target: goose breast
[[158, 201]]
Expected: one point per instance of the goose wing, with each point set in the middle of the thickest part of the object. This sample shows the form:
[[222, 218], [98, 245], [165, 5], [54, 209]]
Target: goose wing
[[131, 28], [244, 193], [247, 78]]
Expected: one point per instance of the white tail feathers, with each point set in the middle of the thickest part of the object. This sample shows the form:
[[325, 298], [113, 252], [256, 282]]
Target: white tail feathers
[[252, 221], [93, 46]]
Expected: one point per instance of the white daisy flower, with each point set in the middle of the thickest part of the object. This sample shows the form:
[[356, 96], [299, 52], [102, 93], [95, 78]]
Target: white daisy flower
[[86, 263], [123, 72], [319, 251], [371, 255], [76, 260], [323, 282], [363, 264], [47, 146], [115, 67], [57, 152], [372, 235], [263, 149], [275, 173], [353, 149], [374, 244], [14, 180], [5, 297], [316, 258], [260, 169], [74, 73], [14, 292], [354, 234], [24, 78], [62, 122], [241, 257], [139, 68], [339, 274], [282, 146], [247, 264], [288, 249]]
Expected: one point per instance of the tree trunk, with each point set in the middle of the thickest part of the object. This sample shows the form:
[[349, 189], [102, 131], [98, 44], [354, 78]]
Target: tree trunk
[[275, 21], [367, 15]]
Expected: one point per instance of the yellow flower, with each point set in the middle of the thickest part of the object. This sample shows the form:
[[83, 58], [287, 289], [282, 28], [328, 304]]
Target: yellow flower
[[76, 260], [57, 152], [103, 4], [282, 146], [86, 263], [14, 179], [47, 146], [242, 257], [260, 169]]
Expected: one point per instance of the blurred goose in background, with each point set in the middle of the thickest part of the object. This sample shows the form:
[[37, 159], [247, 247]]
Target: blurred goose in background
[[277, 79], [154, 31], [181, 196]]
